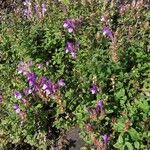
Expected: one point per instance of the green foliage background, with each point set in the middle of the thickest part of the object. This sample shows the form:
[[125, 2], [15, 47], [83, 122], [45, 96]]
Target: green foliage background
[[123, 73]]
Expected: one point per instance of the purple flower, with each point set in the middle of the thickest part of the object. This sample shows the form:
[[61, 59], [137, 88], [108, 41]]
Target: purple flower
[[26, 12], [106, 138], [24, 67], [18, 95], [71, 48], [31, 79], [70, 25], [48, 87], [94, 89], [42, 81], [103, 19], [27, 91], [43, 7], [107, 32], [37, 10], [16, 108], [27, 3], [61, 82], [40, 66], [99, 106]]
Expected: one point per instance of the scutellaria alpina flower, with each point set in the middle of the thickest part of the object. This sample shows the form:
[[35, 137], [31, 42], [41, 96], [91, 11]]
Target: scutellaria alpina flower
[[24, 67], [43, 9], [17, 95], [99, 106], [27, 3], [104, 19], [72, 24], [71, 47], [94, 89], [107, 32], [61, 83], [106, 138], [16, 108], [40, 66], [27, 91], [31, 77], [27, 11]]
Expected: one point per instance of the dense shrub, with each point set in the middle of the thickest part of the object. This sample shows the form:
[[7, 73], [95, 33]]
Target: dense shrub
[[67, 64]]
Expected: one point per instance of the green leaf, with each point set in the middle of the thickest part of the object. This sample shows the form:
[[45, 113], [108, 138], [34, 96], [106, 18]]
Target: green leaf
[[134, 134], [38, 106], [119, 143], [129, 146], [137, 145]]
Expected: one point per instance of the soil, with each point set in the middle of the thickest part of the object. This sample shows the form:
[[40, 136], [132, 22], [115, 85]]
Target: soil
[[75, 141]]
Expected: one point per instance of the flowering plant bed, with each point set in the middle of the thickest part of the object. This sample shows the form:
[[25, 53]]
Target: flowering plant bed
[[75, 75]]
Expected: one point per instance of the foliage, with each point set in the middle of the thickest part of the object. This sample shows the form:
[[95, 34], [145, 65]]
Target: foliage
[[82, 64]]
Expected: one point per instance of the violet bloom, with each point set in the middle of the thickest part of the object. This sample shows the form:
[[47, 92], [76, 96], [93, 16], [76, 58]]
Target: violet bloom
[[17, 95], [43, 9], [70, 25], [24, 67], [27, 3], [94, 89], [27, 91], [42, 81], [107, 32], [103, 19], [40, 66], [16, 108], [37, 10], [26, 12], [31, 79], [71, 48], [106, 138], [99, 106], [48, 87], [61, 82]]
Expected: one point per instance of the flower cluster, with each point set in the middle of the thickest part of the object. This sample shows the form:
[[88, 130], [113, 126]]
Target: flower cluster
[[71, 24], [71, 48], [40, 85], [24, 67], [106, 30], [27, 10], [37, 86], [40, 10]]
